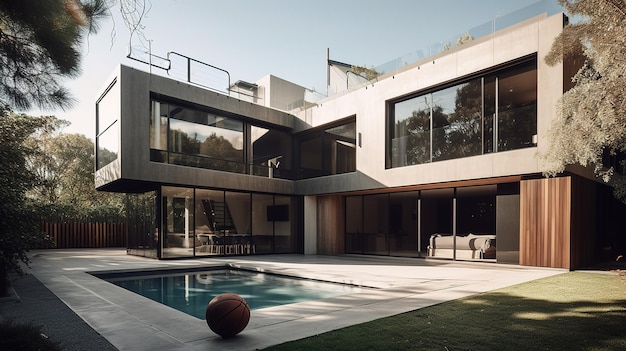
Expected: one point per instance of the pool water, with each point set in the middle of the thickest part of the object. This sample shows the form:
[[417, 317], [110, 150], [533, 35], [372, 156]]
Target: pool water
[[190, 292]]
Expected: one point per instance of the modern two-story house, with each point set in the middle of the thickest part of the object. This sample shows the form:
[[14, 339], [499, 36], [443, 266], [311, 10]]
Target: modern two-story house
[[436, 158]]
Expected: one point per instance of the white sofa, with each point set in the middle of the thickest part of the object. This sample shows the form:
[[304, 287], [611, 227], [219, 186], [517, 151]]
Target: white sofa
[[471, 246]]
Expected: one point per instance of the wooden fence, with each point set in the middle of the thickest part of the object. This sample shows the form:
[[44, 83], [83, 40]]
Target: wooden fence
[[86, 235]]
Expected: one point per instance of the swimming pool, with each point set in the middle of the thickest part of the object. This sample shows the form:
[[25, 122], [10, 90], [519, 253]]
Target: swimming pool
[[190, 292]]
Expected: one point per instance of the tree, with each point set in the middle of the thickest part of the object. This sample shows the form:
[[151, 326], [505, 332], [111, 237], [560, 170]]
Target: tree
[[591, 117], [63, 166], [17, 225], [43, 163], [40, 44]]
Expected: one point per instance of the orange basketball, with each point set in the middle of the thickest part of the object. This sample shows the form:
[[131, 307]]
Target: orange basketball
[[227, 314]]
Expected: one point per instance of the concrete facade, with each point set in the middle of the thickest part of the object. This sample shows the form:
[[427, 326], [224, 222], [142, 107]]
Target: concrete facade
[[275, 106]]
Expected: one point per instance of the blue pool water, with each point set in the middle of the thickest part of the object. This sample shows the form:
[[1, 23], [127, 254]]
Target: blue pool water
[[190, 292]]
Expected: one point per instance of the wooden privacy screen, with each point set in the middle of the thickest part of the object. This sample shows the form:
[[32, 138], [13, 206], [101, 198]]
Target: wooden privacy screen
[[545, 217], [86, 235], [330, 225]]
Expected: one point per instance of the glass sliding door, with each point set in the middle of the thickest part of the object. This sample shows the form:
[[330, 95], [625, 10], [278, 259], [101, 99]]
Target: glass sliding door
[[210, 222], [476, 223], [437, 222], [281, 214], [403, 221], [354, 224], [177, 222], [375, 224], [240, 233], [141, 218], [262, 227]]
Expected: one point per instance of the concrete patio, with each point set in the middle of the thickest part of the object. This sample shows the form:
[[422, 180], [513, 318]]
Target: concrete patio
[[132, 322]]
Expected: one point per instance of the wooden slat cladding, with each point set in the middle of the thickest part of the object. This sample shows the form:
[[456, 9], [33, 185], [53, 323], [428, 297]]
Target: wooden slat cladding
[[545, 218], [86, 235], [330, 225]]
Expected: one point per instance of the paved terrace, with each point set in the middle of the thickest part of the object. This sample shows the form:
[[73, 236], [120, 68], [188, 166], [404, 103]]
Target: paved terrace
[[131, 322]]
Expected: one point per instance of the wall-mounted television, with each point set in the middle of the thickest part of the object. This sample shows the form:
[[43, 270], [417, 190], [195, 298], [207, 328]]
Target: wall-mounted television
[[278, 213]]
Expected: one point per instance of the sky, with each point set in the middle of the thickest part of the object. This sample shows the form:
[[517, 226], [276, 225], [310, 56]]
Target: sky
[[286, 38]]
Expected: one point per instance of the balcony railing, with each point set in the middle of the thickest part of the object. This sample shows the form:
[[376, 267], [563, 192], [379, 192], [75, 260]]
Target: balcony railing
[[549, 7]]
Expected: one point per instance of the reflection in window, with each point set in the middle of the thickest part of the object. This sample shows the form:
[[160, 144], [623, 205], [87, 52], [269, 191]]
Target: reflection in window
[[517, 108], [108, 128], [489, 91], [457, 115], [271, 153], [328, 150], [464, 120], [410, 143], [178, 238], [195, 138]]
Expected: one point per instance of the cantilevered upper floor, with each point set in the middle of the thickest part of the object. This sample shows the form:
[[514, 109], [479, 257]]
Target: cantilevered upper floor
[[476, 111]]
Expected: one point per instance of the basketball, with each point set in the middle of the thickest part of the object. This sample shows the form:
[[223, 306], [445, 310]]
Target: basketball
[[227, 314]]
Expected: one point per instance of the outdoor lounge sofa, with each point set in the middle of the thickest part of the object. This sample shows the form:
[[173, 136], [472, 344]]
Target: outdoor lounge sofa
[[471, 246]]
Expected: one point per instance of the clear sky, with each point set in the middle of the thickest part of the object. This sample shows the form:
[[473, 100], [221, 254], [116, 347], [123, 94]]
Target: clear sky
[[285, 38]]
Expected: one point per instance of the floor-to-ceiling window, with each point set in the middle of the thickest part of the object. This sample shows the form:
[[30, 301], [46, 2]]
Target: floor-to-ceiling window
[[354, 224], [494, 112], [451, 223], [282, 216], [476, 222], [209, 222], [403, 224], [437, 213], [141, 219], [177, 222], [376, 224]]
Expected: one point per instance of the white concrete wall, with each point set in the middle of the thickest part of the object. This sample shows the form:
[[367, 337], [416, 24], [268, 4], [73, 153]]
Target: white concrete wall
[[279, 93], [368, 103], [310, 225]]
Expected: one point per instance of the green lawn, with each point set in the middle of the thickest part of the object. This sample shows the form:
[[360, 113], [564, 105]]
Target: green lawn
[[570, 311]]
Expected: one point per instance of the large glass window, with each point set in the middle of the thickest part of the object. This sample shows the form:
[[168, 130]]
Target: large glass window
[[158, 131], [410, 142], [517, 108], [489, 130], [457, 117], [464, 119], [196, 138], [202, 139], [108, 110], [328, 150], [452, 223], [207, 222]]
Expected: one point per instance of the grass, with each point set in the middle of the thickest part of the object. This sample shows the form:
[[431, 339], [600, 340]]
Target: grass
[[570, 311]]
